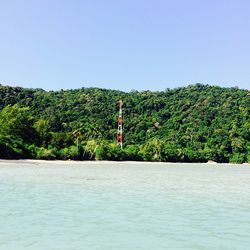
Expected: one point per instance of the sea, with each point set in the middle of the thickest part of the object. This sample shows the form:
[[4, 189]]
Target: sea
[[123, 205]]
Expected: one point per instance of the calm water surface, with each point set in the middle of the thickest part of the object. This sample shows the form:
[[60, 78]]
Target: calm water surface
[[128, 206]]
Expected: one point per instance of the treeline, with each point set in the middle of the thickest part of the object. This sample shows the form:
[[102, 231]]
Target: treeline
[[191, 124]]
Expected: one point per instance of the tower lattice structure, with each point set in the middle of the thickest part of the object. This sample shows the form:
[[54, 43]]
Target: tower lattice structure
[[119, 130]]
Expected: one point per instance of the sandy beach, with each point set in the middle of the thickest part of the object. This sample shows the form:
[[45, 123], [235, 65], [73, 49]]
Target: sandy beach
[[73, 162]]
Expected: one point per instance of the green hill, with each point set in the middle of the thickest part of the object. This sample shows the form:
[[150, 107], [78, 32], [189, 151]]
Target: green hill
[[190, 124]]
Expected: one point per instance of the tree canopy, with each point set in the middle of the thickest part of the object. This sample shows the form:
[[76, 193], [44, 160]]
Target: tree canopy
[[196, 123]]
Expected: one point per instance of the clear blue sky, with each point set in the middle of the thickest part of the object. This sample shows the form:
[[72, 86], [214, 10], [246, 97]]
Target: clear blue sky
[[129, 44]]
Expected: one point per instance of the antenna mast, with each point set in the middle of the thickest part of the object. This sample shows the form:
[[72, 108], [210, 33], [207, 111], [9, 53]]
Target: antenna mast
[[119, 130]]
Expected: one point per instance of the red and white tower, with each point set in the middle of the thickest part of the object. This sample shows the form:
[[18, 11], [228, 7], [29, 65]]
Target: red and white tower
[[119, 131]]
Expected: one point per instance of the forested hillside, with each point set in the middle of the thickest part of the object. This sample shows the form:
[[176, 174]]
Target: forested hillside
[[191, 124]]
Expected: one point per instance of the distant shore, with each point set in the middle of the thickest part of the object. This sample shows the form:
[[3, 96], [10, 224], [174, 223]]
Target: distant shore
[[74, 162]]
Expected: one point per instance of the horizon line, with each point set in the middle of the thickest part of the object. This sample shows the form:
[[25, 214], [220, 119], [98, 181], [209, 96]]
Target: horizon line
[[129, 91]]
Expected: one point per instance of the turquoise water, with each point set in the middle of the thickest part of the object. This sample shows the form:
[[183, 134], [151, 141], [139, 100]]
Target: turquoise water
[[124, 206]]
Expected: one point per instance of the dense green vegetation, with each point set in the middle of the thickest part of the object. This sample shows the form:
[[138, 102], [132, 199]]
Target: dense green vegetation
[[192, 124]]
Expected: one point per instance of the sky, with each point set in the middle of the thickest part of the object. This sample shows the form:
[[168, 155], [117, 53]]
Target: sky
[[124, 44]]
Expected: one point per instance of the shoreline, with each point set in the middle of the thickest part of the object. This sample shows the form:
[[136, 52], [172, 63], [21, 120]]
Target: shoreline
[[75, 162]]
